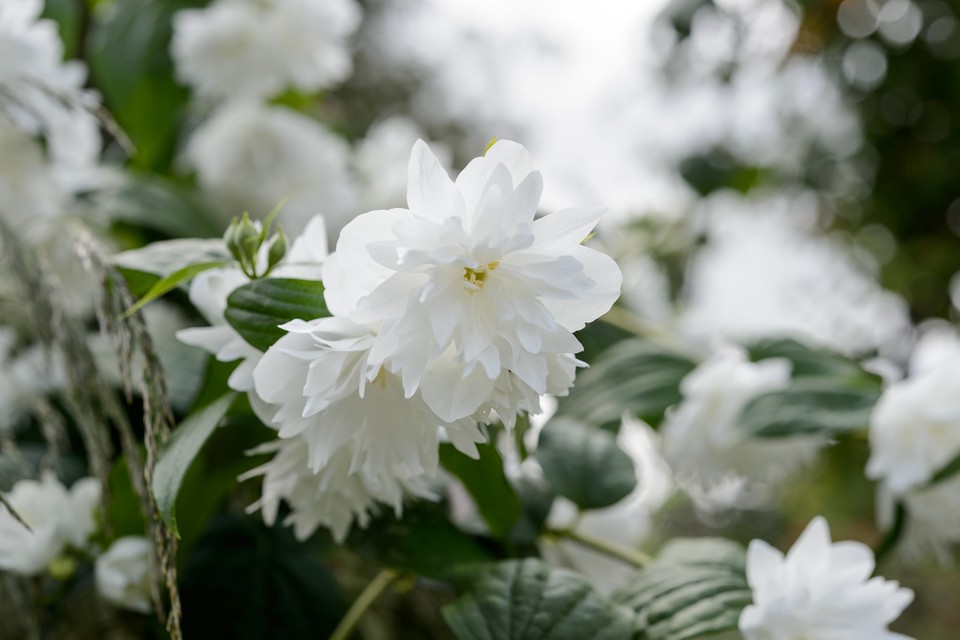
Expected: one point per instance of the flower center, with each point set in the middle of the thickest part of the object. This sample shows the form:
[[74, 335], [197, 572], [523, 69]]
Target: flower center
[[473, 279]]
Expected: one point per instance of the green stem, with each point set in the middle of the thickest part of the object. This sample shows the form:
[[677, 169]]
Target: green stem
[[630, 556], [370, 594], [623, 319]]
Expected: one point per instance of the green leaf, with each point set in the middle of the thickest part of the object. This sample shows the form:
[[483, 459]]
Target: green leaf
[[527, 600], [808, 361], [946, 472], [633, 376], [165, 206], [68, 14], [267, 585], [815, 406], [585, 464], [257, 309], [170, 282], [485, 481], [166, 257], [423, 541], [694, 589], [180, 451]]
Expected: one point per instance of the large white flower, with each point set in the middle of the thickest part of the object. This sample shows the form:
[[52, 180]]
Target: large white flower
[[56, 518], [333, 497], [209, 292], [250, 157], [466, 284], [122, 574], [819, 590], [258, 48], [702, 438], [315, 379]]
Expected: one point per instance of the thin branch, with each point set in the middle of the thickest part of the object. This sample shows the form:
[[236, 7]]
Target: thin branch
[[370, 594]]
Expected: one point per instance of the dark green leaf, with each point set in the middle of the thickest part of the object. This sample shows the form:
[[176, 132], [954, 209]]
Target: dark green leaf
[[808, 361], [946, 472], [68, 14], [810, 406], [257, 309], [694, 589], [485, 481], [166, 284], [633, 376], [246, 582], [584, 463], [180, 451], [527, 600]]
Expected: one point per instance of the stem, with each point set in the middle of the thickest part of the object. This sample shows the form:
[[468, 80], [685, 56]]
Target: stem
[[630, 556], [623, 319], [373, 590]]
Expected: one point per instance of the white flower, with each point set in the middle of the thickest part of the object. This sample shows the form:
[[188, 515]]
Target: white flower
[[258, 48], [819, 590], [250, 157], [25, 377], [122, 574], [466, 284], [209, 292], [56, 518], [314, 379], [333, 497], [702, 438]]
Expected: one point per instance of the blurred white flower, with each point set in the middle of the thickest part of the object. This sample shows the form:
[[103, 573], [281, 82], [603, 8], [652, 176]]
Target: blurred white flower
[[818, 590], [56, 518], [122, 574], [466, 285], [333, 497], [702, 438], [250, 157], [25, 377], [314, 380], [259, 48]]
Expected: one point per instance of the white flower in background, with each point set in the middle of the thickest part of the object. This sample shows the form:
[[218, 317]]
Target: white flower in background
[[702, 438], [122, 574], [333, 497], [25, 377], [314, 378], [380, 160], [259, 48], [209, 292], [914, 433], [819, 590], [56, 518], [466, 284], [250, 157]]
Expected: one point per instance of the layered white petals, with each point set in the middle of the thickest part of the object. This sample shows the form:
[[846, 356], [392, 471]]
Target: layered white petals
[[820, 589], [702, 438], [122, 574], [467, 279]]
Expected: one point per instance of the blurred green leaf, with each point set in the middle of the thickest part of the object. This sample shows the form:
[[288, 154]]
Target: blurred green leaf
[[68, 14], [485, 481], [527, 600], [178, 454], [257, 309], [808, 361], [162, 205], [813, 406], [168, 283], [696, 588], [633, 376], [163, 258], [584, 464]]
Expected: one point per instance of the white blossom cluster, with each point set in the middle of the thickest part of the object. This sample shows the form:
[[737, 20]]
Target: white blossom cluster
[[457, 310]]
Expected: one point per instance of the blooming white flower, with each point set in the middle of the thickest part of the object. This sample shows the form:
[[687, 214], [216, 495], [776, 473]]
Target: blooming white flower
[[466, 284], [122, 574], [819, 590], [258, 48], [333, 497], [315, 379], [702, 438], [250, 157], [55, 516]]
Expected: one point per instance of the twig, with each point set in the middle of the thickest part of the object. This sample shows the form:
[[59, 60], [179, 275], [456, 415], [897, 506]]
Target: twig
[[370, 594]]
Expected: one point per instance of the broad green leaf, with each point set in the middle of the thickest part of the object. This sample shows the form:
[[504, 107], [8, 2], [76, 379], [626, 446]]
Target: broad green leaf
[[819, 406], [166, 257], [584, 463], [423, 541], [267, 585], [257, 309], [180, 451], [808, 361], [633, 376], [527, 600], [694, 589], [165, 206], [166, 284], [485, 481], [68, 14]]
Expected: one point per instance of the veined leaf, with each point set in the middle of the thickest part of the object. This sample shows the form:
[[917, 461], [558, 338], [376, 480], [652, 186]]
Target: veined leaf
[[257, 309]]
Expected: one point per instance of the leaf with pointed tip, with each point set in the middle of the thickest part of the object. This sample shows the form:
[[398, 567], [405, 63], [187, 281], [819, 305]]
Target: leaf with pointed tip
[[815, 406], [257, 309]]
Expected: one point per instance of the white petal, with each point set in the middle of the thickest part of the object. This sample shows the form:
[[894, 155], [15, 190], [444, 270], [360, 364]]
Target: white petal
[[573, 315], [473, 179], [451, 395], [430, 191]]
